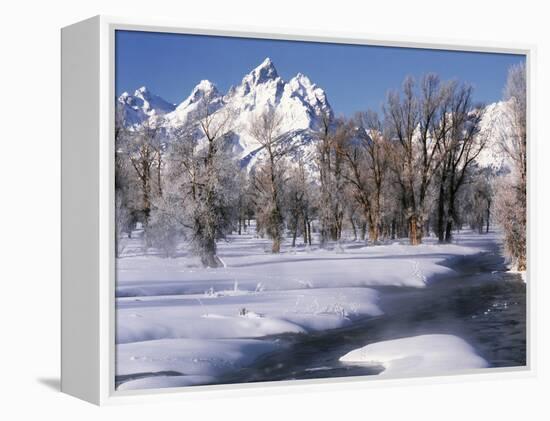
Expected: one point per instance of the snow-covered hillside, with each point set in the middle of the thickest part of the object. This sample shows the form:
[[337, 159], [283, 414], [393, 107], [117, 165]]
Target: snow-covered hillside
[[493, 127]]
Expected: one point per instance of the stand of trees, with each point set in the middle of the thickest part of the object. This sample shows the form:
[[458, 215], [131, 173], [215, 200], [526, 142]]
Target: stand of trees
[[512, 191], [376, 177]]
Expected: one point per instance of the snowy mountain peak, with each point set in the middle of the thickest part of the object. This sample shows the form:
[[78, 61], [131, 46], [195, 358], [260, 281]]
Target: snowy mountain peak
[[204, 93], [143, 91], [301, 79], [264, 72], [301, 88], [204, 89], [142, 105]]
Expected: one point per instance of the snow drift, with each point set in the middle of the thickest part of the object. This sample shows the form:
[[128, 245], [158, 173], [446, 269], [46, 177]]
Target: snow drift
[[418, 355]]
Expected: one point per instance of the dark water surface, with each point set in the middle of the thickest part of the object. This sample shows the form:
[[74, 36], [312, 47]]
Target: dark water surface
[[482, 304]]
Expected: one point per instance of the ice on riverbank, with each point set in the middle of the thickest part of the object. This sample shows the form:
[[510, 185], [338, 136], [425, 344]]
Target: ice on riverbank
[[418, 355]]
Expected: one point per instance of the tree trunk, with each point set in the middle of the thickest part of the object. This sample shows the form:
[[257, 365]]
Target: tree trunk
[[412, 230], [488, 215], [159, 178], [451, 217], [363, 231], [373, 233], [415, 230], [208, 254], [276, 247], [441, 214], [449, 230], [305, 229], [522, 263], [353, 228], [210, 260], [295, 231], [334, 228]]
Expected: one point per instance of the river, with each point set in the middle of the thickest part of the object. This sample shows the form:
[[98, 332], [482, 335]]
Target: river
[[483, 304]]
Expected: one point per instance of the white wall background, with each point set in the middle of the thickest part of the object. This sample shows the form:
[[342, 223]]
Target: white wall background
[[29, 207]]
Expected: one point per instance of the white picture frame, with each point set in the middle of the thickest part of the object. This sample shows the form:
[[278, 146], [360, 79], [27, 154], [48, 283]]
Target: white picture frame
[[88, 270]]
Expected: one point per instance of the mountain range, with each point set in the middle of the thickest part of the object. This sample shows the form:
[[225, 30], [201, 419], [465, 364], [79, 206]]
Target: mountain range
[[299, 101]]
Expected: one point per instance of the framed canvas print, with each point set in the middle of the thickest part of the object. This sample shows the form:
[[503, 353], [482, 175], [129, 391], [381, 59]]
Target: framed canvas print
[[248, 208]]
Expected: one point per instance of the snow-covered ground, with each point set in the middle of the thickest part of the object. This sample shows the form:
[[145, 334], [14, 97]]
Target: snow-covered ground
[[195, 324], [185, 362], [418, 355]]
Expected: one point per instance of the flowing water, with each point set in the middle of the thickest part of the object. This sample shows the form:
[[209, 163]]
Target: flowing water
[[483, 304]]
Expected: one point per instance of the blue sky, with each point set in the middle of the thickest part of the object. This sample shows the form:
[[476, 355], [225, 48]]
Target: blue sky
[[355, 77]]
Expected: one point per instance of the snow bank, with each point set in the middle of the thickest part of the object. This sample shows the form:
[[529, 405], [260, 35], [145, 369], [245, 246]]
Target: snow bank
[[189, 361], [158, 382], [418, 355], [252, 315]]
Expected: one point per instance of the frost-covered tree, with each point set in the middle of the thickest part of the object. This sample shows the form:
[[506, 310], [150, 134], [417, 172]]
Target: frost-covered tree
[[401, 117], [478, 200], [415, 120], [245, 207], [122, 183], [268, 130], [200, 195], [330, 137], [166, 228], [459, 148], [364, 154], [143, 150], [512, 192], [299, 202]]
